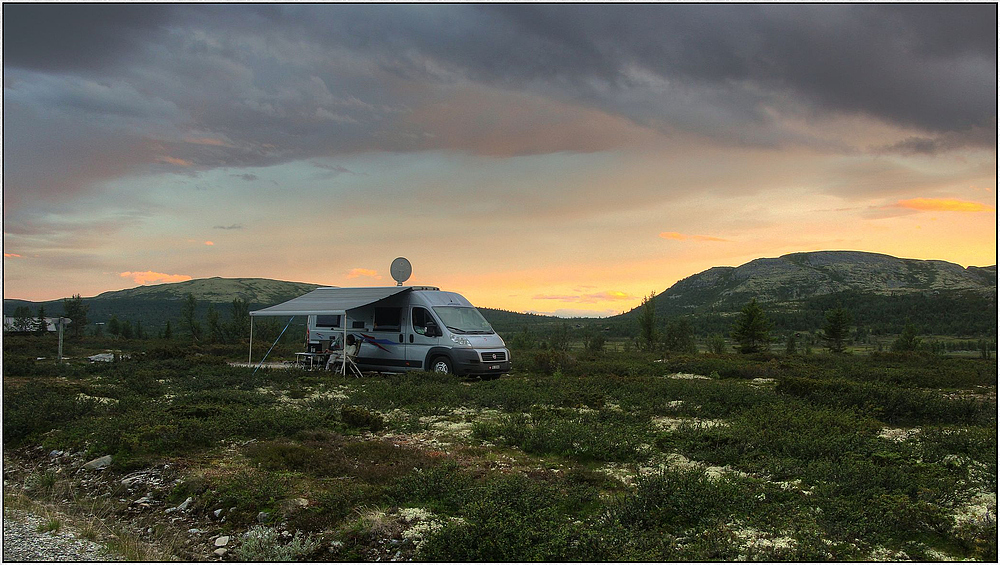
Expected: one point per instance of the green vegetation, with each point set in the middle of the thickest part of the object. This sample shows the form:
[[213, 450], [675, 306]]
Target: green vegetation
[[580, 454], [751, 330]]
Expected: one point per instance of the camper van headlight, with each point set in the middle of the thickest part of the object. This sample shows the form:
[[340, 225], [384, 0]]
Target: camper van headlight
[[461, 341]]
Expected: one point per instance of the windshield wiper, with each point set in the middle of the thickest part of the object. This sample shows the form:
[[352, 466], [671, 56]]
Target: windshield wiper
[[456, 330]]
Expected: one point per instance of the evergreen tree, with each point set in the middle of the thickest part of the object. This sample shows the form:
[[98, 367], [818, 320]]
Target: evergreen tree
[[114, 326], [908, 340], [678, 337], [647, 322], [76, 311], [239, 323], [790, 345], [41, 325], [752, 329], [187, 315], [835, 330], [127, 330], [167, 333], [216, 333]]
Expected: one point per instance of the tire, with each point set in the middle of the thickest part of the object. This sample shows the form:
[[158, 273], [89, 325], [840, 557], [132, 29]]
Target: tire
[[442, 365]]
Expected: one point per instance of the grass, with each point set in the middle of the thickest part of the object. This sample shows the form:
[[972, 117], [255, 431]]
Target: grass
[[577, 456]]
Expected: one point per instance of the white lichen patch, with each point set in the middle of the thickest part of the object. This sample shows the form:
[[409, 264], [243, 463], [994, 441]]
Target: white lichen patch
[[752, 539], [688, 377], [336, 393], [421, 523], [898, 434], [759, 381], [669, 424], [674, 404], [100, 399], [628, 474], [881, 553], [981, 509]]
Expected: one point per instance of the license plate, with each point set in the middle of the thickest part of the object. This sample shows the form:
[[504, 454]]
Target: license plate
[[494, 367]]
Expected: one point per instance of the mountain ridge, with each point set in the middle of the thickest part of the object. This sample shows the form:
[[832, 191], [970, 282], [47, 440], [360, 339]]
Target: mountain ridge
[[802, 275]]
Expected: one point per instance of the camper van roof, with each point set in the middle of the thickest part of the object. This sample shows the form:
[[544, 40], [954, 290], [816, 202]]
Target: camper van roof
[[333, 300]]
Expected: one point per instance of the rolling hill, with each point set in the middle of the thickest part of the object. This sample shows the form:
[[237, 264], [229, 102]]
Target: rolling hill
[[881, 291]]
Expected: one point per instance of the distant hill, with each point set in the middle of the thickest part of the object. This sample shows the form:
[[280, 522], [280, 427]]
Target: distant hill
[[882, 291], [154, 305], [215, 289]]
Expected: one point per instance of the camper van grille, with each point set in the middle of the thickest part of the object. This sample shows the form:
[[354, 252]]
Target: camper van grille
[[490, 356]]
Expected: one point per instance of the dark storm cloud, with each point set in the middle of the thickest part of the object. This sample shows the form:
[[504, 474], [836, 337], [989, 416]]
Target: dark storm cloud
[[68, 37], [196, 86]]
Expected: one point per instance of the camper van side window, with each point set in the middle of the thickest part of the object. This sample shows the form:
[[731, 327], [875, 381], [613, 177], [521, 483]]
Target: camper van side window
[[387, 319], [332, 321], [420, 319]]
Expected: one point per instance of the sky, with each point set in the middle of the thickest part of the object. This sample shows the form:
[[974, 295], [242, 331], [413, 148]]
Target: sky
[[560, 159]]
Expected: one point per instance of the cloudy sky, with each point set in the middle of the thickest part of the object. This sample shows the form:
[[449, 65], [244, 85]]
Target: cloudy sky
[[557, 159]]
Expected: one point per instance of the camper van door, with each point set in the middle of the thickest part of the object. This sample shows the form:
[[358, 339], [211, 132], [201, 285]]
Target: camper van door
[[383, 348], [419, 340]]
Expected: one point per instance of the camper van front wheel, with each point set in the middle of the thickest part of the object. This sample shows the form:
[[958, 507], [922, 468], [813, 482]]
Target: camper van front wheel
[[441, 365]]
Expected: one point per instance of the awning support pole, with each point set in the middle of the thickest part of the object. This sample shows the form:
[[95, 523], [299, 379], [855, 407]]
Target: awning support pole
[[250, 355], [273, 344]]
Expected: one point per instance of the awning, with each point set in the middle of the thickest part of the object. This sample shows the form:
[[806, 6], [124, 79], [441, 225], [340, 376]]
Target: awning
[[330, 301]]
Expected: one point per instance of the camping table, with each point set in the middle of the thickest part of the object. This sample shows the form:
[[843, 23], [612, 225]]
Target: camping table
[[311, 359]]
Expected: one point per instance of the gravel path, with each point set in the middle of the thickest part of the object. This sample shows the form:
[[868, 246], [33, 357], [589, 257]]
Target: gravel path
[[23, 542]]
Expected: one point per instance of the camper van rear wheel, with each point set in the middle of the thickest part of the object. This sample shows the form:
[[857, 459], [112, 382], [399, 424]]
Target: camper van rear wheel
[[441, 365]]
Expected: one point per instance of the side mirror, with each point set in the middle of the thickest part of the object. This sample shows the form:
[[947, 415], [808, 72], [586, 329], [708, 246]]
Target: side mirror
[[431, 329]]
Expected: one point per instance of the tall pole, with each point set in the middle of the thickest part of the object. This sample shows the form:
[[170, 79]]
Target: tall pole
[[250, 354], [59, 328]]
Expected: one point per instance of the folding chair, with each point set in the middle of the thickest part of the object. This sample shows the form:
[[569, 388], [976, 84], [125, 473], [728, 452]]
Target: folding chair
[[342, 359]]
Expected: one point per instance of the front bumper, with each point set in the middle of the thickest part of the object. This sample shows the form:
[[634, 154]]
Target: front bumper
[[468, 362]]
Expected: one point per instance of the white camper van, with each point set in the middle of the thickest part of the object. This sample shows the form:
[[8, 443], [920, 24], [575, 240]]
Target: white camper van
[[401, 328]]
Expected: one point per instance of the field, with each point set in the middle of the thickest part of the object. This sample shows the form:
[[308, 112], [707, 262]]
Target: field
[[574, 456]]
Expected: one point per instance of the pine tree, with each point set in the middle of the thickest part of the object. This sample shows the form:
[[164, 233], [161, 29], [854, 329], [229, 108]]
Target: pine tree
[[790, 345], [908, 340], [76, 311], [835, 330], [187, 314], [41, 325], [114, 326], [647, 322], [239, 323], [752, 329], [678, 337]]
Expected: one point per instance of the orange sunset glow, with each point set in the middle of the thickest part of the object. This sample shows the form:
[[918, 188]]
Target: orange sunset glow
[[559, 159]]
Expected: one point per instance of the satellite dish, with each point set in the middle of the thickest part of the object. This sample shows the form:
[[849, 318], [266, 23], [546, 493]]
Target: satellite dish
[[400, 270]]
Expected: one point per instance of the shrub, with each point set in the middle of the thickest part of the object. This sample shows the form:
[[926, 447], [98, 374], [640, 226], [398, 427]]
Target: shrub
[[511, 518], [261, 543], [360, 418]]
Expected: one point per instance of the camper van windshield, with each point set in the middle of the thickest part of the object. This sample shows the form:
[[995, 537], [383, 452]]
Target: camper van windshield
[[463, 319]]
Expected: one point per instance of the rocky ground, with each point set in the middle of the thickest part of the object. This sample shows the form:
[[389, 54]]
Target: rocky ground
[[25, 539]]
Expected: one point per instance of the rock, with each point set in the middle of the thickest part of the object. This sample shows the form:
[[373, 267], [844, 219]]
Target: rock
[[53, 454], [194, 531], [221, 552], [222, 541], [98, 464], [262, 517], [217, 514], [184, 505], [143, 500]]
